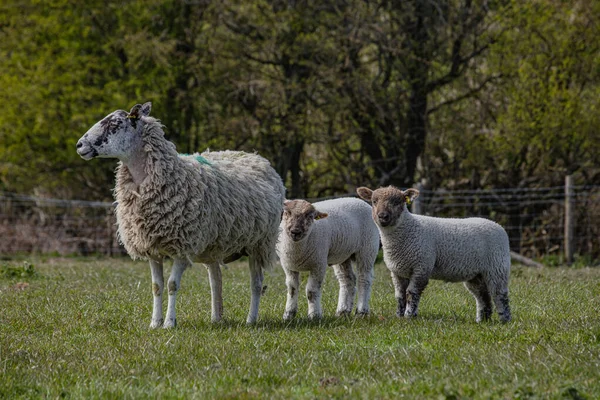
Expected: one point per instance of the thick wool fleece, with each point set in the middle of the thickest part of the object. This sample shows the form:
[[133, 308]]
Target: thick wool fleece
[[453, 250], [205, 212], [348, 229]]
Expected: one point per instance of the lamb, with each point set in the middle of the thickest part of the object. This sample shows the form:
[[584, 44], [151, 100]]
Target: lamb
[[416, 248], [210, 208], [333, 232]]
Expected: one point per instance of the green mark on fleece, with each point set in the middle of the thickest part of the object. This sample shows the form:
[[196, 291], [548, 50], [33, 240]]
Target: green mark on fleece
[[199, 158]]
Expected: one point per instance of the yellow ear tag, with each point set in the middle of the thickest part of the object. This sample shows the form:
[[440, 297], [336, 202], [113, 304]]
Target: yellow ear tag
[[408, 200], [318, 217]]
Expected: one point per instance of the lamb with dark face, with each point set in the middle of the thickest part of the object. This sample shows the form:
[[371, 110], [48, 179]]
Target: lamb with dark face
[[335, 232], [417, 248]]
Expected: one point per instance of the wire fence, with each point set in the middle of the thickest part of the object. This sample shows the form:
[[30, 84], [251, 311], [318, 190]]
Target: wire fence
[[534, 219]]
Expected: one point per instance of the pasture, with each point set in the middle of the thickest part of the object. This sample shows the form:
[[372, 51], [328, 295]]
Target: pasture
[[78, 328]]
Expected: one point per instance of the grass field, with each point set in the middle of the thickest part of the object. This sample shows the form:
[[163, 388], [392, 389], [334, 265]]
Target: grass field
[[78, 328]]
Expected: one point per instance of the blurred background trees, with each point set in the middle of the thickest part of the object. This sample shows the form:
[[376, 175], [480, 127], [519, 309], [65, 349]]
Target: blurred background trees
[[457, 94]]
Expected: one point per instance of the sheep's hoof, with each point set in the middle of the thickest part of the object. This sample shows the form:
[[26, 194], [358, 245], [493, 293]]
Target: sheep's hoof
[[289, 315], [362, 313], [170, 323], [156, 323], [410, 314], [343, 313]]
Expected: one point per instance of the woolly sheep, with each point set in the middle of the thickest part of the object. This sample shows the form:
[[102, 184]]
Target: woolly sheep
[[333, 232], [416, 248], [210, 208]]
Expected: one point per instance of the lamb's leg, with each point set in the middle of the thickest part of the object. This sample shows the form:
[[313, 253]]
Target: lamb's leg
[[292, 281], [502, 304], [482, 296], [216, 291], [179, 265], [365, 280], [400, 287], [416, 285], [347, 281], [158, 283], [313, 292], [256, 281]]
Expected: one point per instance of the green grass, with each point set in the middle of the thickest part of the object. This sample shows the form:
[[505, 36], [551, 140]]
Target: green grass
[[79, 329]]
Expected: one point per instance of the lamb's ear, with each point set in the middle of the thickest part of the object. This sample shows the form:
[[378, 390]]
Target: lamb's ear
[[320, 215], [410, 195], [287, 204], [145, 110], [364, 193]]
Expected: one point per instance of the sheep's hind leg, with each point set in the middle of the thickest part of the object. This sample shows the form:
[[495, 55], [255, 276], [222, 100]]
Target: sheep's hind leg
[[179, 265], [158, 283], [482, 296], [292, 281], [415, 289], [256, 281], [347, 281], [400, 287], [313, 292], [502, 304], [365, 280], [216, 291]]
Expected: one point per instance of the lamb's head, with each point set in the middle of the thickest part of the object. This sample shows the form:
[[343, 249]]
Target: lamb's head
[[298, 218], [388, 203], [116, 135]]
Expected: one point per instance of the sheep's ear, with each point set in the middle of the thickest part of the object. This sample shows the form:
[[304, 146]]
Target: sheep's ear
[[145, 110], [410, 195], [134, 113], [364, 193], [320, 215]]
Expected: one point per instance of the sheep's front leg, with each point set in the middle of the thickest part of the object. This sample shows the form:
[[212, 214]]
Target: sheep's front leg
[[313, 291], [256, 280], [365, 280], [400, 286], [179, 265], [292, 281], [216, 291], [415, 288], [347, 281], [158, 283]]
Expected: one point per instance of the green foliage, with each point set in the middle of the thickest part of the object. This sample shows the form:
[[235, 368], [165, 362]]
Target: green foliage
[[335, 95], [83, 333], [24, 271]]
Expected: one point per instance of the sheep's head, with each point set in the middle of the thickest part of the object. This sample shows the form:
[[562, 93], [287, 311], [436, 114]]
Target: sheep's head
[[298, 218], [388, 203], [115, 135]]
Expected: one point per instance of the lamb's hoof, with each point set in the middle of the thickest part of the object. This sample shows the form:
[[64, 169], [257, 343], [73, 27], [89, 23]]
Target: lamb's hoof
[[216, 320], [289, 315], [156, 323], [362, 313], [170, 323], [410, 315], [343, 313]]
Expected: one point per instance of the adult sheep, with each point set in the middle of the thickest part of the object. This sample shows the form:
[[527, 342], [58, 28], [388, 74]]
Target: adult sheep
[[209, 208], [333, 232], [416, 248]]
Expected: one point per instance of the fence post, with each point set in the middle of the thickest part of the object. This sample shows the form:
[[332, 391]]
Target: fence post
[[569, 219], [416, 205]]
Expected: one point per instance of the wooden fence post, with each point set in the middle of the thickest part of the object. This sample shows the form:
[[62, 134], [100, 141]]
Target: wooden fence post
[[416, 205], [569, 220]]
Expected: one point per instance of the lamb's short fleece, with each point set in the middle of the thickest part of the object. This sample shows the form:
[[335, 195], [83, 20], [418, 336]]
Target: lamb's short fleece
[[417, 248], [333, 232]]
